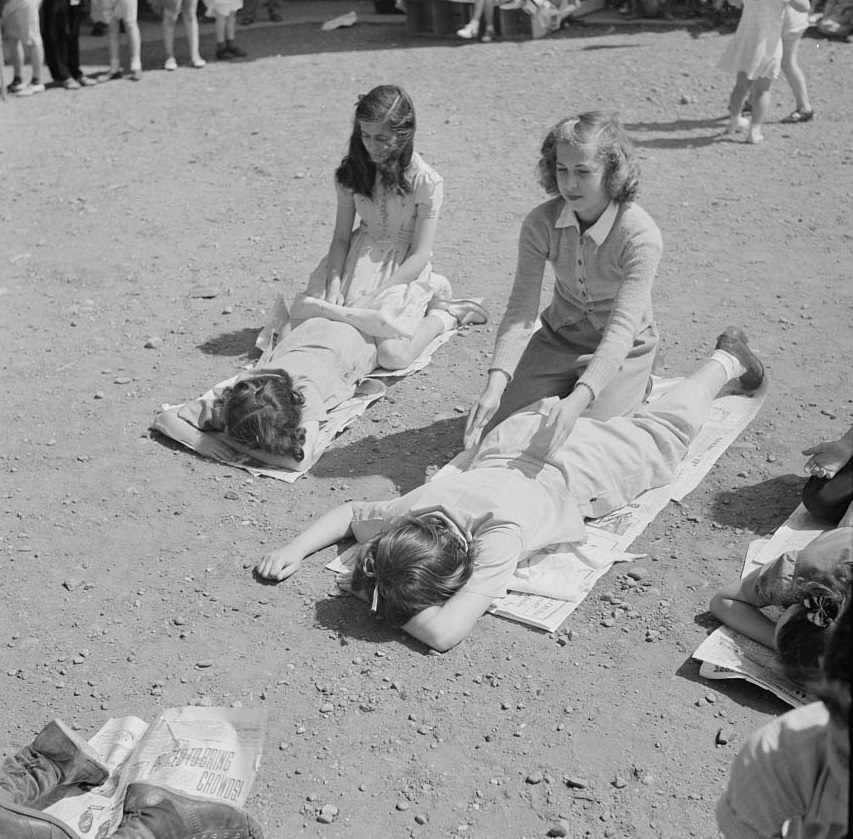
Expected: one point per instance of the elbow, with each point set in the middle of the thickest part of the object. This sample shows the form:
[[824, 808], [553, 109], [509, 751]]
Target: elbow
[[717, 605], [441, 642]]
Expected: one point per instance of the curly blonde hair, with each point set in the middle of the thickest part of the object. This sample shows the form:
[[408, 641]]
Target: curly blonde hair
[[604, 132]]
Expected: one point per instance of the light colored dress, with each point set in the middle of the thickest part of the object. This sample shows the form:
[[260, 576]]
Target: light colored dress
[[379, 245], [756, 48]]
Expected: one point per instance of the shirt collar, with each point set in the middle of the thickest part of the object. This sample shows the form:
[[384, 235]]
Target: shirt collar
[[599, 231]]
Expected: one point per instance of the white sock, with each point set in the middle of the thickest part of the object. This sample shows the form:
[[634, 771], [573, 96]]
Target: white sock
[[731, 364]]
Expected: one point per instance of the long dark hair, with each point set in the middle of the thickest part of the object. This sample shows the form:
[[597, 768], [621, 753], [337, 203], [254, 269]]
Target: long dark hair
[[421, 562], [388, 104]]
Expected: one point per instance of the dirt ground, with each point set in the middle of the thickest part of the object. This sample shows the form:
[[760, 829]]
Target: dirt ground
[[125, 572]]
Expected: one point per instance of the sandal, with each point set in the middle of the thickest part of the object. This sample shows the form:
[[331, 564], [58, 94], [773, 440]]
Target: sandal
[[799, 116]]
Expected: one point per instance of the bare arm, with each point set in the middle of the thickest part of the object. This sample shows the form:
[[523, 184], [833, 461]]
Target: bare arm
[[330, 528], [338, 250], [419, 254], [207, 443], [735, 607], [443, 627]]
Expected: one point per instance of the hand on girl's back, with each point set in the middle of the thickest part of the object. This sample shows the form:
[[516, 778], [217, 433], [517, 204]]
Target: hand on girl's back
[[278, 564]]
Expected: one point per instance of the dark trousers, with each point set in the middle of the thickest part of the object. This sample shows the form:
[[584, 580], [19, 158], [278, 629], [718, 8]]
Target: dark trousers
[[828, 499], [60, 31]]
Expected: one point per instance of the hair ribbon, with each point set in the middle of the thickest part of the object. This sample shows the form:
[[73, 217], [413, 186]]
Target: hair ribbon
[[821, 610]]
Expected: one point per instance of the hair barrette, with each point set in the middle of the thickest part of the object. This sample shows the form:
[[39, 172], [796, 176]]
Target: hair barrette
[[820, 610]]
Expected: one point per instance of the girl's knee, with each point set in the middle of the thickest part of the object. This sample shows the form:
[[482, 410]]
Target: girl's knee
[[393, 354]]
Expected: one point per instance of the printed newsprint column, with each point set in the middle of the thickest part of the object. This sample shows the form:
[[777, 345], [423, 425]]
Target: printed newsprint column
[[207, 752]]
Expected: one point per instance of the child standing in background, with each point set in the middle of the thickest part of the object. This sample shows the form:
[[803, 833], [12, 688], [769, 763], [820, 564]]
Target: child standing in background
[[170, 9], [378, 276], [794, 23], [224, 14], [597, 341], [755, 56], [115, 11]]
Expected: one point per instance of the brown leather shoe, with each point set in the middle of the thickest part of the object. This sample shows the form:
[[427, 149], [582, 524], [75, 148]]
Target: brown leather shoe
[[733, 340], [154, 812], [57, 757]]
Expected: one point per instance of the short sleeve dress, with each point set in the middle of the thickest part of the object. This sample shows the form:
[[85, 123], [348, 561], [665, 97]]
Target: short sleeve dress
[[380, 243], [756, 48]]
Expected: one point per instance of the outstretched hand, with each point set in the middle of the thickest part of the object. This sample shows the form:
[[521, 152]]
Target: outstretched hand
[[279, 564], [826, 459]]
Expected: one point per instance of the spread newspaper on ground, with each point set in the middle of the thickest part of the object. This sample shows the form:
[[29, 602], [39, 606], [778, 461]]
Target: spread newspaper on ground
[[208, 752], [726, 654]]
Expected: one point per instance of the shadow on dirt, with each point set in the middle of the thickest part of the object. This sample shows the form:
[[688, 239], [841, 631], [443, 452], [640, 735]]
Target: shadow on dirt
[[241, 342], [760, 508], [714, 125], [308, 39], [351, 619], [402, 457], [738, 690]]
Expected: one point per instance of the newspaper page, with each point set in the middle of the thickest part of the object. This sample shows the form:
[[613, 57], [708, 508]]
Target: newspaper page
[[727, 654], [204, 752]]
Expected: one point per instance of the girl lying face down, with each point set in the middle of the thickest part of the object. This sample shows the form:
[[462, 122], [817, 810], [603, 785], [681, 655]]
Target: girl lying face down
[[435, 559]]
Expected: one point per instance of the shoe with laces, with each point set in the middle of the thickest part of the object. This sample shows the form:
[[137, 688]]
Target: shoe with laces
[[734, 341], [86, 81], [198, 63], [170, 64], [71, 84], [470, 30]]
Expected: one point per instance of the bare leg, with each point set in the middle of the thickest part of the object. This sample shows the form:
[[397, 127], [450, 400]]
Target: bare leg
[[399, 353], [115, 45], [760, 107], [134, 43], [794, 73], [18, 60], [219, 29], [191, 31], [736, 102], [170, 18]]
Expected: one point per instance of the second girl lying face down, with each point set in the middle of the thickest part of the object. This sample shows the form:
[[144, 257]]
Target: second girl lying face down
[[435, 559], [372, 301]]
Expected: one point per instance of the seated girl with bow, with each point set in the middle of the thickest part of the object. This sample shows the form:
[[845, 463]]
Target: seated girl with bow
[[811, 586]]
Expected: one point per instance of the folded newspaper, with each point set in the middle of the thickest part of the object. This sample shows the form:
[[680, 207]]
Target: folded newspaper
[[208, 752], [727, 654]]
